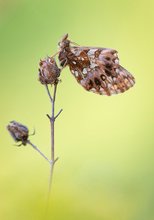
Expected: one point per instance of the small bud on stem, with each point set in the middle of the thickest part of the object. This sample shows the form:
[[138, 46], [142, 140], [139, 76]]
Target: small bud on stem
[[18, 131], [48, 71]]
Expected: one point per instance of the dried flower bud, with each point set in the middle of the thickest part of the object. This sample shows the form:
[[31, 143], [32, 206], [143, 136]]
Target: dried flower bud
[[18, 131], [48, 71]]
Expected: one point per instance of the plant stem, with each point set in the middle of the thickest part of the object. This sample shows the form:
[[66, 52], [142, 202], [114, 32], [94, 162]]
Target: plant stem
[[36, 148], [52, 125], [46, 86], [52, 121]]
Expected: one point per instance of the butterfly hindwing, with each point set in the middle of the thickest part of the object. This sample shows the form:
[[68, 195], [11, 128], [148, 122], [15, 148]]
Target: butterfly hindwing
[[98, 70]]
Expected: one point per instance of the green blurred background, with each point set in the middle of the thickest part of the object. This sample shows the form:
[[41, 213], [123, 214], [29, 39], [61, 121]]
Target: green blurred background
[[105, 144]]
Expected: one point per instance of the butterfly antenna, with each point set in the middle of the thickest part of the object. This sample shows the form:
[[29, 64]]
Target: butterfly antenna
[[74, 43]]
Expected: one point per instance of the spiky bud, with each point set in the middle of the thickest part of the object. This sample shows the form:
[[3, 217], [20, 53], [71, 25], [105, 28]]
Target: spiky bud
[[48, 71], [18, 131]]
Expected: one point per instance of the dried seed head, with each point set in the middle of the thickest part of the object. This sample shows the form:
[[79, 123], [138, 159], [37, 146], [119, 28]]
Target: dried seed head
[[18, 131], [48, 71]]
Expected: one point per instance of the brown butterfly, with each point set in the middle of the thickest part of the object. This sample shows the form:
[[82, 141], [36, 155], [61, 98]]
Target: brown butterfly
[[96, 69]]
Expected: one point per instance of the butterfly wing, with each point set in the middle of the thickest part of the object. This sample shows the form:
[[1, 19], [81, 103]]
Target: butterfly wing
[[98, 70]]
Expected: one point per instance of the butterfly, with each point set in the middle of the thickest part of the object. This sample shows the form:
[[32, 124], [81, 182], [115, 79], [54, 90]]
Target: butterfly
[[96, 69]]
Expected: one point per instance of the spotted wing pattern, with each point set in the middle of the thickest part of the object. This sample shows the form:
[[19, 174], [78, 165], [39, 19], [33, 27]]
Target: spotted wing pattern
[[98, 70]]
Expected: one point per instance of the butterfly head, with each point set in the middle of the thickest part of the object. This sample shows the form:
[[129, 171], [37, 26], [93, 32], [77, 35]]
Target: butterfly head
[[64, 43]]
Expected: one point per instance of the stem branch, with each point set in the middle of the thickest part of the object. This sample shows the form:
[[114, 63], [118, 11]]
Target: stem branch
[[46, 86], [58, 113], [36, 148]]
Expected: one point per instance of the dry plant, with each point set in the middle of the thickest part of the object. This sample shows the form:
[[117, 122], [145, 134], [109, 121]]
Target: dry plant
[[48, 76], [96, 69]]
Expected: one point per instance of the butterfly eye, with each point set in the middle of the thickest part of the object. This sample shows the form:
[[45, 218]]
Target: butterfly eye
[[60, 44]]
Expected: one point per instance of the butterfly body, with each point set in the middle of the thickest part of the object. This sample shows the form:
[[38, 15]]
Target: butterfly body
[[96, 69]]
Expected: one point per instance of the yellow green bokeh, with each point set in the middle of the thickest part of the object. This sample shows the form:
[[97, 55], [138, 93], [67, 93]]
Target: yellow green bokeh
[[105, 144]]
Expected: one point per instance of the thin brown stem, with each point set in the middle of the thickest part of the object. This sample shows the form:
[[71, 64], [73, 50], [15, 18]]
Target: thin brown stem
[[46, 86], [36, 148], [58, 113], [52, 125]]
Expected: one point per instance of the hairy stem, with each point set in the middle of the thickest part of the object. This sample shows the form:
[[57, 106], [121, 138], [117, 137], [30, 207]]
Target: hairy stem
[[36, 148]]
